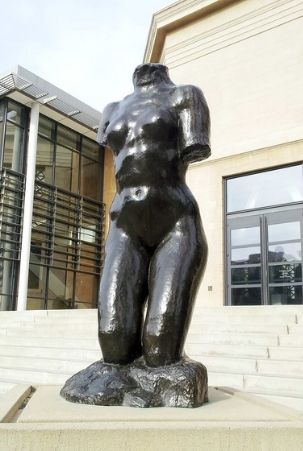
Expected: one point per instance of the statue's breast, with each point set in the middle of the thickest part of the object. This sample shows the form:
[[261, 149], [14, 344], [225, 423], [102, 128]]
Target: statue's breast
[[146, 122]]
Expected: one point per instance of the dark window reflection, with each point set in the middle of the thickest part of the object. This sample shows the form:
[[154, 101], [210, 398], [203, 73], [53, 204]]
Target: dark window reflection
[[246, 296], [246, 276], [285, 273], [289, 294]]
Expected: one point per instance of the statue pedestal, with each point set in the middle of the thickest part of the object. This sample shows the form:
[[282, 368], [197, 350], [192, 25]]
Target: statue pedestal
[[230, 421], [183, 384]]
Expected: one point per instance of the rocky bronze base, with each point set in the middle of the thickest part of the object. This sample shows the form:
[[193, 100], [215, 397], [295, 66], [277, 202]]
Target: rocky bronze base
[[183, 384]]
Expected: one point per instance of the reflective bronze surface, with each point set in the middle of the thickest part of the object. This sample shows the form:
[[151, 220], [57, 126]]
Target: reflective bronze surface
[[156, 250]]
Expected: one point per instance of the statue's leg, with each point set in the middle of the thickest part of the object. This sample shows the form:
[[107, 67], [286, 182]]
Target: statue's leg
[[175, 271], [123, 290]]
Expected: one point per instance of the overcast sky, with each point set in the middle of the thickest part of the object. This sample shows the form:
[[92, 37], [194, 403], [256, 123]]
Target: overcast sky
[[88, 48]]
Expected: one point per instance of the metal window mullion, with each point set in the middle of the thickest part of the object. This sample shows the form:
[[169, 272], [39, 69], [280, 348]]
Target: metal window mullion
[[264, 259], [2, 143]]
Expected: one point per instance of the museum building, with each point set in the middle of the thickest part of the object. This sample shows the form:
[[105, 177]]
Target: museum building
[[247, 58], [51, 202]]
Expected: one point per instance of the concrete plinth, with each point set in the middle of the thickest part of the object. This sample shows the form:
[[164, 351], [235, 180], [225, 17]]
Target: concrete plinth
[[231, 421]]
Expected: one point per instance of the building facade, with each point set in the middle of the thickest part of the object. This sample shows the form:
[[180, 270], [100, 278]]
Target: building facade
[[247, 57], [51, 201]]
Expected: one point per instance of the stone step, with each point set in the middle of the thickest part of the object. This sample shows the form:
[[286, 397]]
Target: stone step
[[42, 364], [49, 332], [292, 340], [285, 353], [33, 377], [278, 386], [280, 368], [247, 351], [234, 339], [227, 364], [50, 353], [254, 328], [220, 379], [90, 329], [51, 342]]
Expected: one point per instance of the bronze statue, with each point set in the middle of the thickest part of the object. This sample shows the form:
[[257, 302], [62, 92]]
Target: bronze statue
[[156, 249]]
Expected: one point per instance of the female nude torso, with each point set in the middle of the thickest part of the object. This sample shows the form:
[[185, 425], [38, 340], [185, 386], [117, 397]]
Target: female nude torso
[[156, 249]]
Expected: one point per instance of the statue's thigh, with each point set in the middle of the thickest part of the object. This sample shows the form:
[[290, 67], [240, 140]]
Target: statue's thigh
[[175, 273], [123, 285]]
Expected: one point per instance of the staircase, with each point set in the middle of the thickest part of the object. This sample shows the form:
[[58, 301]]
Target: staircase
[[255, 349]]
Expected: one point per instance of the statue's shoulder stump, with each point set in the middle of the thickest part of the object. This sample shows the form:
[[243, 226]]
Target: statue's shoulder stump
[[183, 384]]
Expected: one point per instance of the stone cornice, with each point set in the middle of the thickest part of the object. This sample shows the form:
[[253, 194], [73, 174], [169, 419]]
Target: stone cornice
[[174, 16]]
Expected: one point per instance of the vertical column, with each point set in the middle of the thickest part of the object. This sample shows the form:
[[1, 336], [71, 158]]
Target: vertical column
[[28, 207]]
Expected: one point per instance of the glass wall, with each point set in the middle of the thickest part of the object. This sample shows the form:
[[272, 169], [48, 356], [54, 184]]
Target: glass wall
[[67, 234], [13, 132], [264, 237]]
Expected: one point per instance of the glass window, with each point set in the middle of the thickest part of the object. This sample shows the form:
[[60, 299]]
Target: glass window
[[245, 236], [285, 273], [13, 148], [287, 252], [2, 112], [276, 187], [67, 169], [44, 161], [90, 149], [91, 179], [16, 114], [46, 127], [246, 276], [289, 294], [245, 255], [284, 231], [86, 290], [68, 138], [60, 288], [246, 296]]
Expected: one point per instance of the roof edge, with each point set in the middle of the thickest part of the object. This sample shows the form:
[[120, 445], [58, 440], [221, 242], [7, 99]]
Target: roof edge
[[174, 16]]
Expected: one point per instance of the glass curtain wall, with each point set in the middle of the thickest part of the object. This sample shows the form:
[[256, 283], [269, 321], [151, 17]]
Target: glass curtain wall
[[13, 131], [67, 233], [264, 237]]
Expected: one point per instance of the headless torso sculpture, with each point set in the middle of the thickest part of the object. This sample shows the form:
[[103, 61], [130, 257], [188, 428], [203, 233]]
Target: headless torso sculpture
[[156, 249]]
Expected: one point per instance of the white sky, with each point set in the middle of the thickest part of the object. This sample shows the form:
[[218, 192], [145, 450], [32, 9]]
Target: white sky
[[89, 48]]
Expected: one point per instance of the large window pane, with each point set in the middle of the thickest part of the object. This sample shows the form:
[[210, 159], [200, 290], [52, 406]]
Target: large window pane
[[246, 296], [289, 294], [246, 276], [279, 186], [16, 114], [287, 252], [13, 149], [284, 231], [285, 273], [91, 179], [68, 138], [60, 288], [67, 169], [245, 236], [245, 255], [44, 161], [91, 150], [86, 290], [2, 112], [46, 127]]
